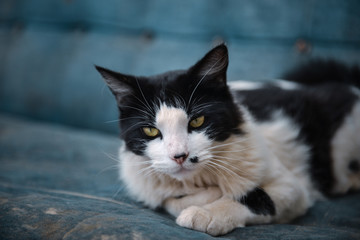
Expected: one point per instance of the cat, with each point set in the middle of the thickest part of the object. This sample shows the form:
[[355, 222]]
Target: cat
[[220, 155]]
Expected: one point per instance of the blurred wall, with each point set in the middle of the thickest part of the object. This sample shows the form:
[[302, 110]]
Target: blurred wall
[[48, 47]]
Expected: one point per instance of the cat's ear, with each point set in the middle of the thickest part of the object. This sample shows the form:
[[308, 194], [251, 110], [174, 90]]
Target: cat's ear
[[213, 65], [120, 85]]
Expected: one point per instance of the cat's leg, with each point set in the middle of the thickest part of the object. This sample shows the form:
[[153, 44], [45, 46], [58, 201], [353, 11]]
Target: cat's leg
[[175, 205], [216, 218], [279, 200]]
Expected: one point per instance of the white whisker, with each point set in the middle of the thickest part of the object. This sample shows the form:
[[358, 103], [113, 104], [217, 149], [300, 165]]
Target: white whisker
[[228, 164], [227, 170], [147, 103], [112, 157], [140, 110], [215, 167], [198, 84], [233, 151], [226, 144], [136, 163], [121, 188], [112, 167]]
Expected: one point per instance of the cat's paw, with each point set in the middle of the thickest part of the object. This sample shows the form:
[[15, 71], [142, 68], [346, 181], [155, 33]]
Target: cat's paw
[[195, 218], [203, 220]]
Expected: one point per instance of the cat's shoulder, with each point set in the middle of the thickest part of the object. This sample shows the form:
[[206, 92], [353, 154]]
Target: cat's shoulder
[[295, 99]]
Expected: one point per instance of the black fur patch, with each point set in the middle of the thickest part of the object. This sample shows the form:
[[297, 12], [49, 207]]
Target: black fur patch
[[319, 71], [317, 110], [354, 166], [259, 202]]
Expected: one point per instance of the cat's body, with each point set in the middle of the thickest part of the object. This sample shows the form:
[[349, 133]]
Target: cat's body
[[219, 157]]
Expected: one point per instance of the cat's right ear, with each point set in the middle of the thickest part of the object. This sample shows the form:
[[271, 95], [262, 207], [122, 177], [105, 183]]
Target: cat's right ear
[[119, 84], [212, 67]]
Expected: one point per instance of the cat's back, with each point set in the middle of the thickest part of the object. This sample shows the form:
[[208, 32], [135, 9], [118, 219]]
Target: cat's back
[[309, 124]]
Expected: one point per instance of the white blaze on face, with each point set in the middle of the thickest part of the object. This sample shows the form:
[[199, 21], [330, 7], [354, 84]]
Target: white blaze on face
[[173, 124], [175, 140]]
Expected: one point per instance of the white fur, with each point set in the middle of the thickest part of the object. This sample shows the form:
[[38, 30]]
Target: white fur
[[345, 147], [251, 85], [286, 85], [282, 134], [244, 85]]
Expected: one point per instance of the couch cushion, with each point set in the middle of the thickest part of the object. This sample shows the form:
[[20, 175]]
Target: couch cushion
[[59, 182], [48, 48], [323, 20]]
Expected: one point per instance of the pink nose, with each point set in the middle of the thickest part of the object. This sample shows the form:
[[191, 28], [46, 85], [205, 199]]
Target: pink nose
[[180, 158]]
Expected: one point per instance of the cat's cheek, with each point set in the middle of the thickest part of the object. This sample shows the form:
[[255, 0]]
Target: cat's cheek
[[199, 145]]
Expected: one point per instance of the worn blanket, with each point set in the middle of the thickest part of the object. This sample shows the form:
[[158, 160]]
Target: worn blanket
[[58, 182]]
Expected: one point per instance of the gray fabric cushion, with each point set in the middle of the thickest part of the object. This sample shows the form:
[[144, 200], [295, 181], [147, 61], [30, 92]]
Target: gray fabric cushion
[[59, 182]]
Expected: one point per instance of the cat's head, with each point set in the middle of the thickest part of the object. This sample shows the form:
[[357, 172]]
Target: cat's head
[[173, 119]]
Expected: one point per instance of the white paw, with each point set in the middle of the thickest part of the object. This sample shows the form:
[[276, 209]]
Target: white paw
[[195, 218], [203, 220]]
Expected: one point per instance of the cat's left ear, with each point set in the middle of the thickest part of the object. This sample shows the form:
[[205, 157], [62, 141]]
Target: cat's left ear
[[213, 65]]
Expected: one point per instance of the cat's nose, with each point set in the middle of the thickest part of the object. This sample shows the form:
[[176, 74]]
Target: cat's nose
[[180, 158]]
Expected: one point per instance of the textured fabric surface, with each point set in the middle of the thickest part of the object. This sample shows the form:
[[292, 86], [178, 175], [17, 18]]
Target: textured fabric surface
[[59, 182]]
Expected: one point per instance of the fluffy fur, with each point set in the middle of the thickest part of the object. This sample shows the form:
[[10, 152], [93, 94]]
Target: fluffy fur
[[263, 152]]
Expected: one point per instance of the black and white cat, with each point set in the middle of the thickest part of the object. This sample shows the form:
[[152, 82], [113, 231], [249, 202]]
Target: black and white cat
[[219, 156]]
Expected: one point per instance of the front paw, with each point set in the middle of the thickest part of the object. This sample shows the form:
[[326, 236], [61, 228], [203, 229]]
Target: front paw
[[203, 220], [195, 218]]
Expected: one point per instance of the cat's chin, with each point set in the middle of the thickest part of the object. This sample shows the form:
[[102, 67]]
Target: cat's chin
[[182, 173]]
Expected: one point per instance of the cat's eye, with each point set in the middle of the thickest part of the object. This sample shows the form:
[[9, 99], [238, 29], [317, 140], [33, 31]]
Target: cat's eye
[[151, 132], [197, 122]]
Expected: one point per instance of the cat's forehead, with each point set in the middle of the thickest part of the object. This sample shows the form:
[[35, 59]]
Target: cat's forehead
[[167, 77], [170, 116]]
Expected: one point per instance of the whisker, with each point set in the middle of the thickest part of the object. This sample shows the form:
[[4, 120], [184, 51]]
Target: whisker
[[228, 164], [136, 163], [229, 171], [223, 167], [226, 144], [140, 110], [209, 168], [198, 84], [150, 173], [134, 126], [107, 169], [112, 121], [234, 151], [144, 170], [120, 189], [147, 103], [225, 158], [212, 165], [123, 119], [112, 157]]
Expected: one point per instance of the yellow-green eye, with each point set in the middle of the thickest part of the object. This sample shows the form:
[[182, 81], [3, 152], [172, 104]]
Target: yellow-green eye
[[151, 132], [197, 122]]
